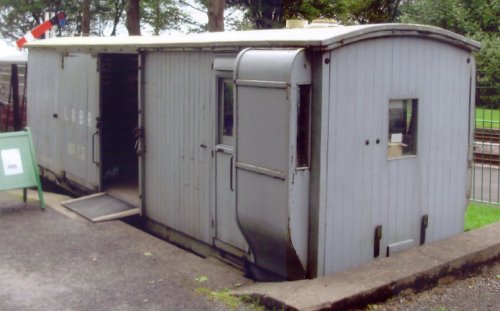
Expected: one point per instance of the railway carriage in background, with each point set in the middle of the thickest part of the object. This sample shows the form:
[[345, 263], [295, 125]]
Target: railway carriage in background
[[13, 73]]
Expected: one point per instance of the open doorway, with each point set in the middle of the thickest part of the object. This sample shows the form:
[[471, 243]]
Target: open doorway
[[118, 125]]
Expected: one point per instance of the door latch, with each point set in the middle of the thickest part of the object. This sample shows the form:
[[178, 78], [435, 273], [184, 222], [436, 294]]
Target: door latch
[[140, 146]]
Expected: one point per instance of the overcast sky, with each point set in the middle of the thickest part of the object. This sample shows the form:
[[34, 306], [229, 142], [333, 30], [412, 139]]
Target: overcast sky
[[6, 49], [11, 49]]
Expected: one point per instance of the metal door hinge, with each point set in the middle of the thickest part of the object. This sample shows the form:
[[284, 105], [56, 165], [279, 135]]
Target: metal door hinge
[[376, 241], [424, 223]]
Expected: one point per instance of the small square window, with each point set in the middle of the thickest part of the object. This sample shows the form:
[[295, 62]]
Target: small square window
[[402, 136]]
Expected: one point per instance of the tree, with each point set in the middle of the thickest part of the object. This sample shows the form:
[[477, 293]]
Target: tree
[[477, 19], [215, 15], [106, 13], [316, 9], [17, 17], [133, 17], [263, 14], [85, 17], [372, 11], [105, 17], [163, 14], [274, 13]]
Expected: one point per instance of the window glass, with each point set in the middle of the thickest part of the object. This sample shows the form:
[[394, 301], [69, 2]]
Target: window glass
[[226, 111], [303, 125], [402, 136]]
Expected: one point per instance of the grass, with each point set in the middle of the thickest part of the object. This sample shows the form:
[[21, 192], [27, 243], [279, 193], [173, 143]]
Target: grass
[[232, 302], [480, 214], [487, 118], [224, 296]]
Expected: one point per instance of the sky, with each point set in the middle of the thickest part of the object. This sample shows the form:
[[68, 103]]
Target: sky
[[8, 49]]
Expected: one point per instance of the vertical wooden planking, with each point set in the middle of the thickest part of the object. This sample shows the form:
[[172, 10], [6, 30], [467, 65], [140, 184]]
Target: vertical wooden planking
[[322, 87], [432, 139], [42, 104], [458, 105], [346, 120], [380, 180], [370, 124], [358, 127], [177, 168], [335, 201], [394, 93], [414, 85], [423, 125], [399, 191]]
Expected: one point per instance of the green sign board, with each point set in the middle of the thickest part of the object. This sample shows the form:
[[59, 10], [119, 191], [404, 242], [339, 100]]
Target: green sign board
[[18, 167]]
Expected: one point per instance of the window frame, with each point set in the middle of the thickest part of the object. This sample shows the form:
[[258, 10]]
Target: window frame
[[222, 139], [306, 148], [413, 102]]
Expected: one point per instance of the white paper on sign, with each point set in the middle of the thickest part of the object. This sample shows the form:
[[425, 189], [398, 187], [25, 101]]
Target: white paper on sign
[[11, 160], [397, 138]]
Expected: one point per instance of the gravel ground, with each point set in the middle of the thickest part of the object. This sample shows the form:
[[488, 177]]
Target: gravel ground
[[477, 292]]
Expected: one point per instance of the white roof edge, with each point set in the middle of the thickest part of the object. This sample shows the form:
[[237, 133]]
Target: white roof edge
[[395, 29], [14, 59], [321, 38]]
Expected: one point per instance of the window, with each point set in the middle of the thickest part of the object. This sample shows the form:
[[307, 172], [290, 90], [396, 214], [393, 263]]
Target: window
[[403, 119], [303, 125], [226, 111]]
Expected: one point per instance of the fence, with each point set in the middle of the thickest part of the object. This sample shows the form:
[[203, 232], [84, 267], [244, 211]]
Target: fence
[[486, 166]]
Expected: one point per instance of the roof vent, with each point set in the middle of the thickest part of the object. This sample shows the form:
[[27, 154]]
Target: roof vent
[[296, 23], [317, 23]]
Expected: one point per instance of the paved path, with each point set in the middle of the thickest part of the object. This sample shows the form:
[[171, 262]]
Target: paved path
[[422, 267], [56, 260], [51, 261]]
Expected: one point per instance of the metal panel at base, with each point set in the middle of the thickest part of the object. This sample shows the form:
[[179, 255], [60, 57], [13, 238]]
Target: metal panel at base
[[400, 246], [101, 207]]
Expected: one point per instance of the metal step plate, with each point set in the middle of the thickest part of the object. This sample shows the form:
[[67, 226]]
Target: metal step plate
[[101, 207]]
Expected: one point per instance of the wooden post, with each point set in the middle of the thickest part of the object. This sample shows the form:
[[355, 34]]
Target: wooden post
[[14, 84]]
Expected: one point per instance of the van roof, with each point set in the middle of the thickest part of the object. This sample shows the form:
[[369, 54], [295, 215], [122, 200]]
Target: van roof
[[317, 38], [14, 59]]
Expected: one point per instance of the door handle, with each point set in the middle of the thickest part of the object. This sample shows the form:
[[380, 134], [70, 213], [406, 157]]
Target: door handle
[[93, 147], [231, 173]]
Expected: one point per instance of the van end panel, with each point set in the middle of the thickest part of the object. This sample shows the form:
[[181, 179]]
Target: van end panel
[[366, 188]]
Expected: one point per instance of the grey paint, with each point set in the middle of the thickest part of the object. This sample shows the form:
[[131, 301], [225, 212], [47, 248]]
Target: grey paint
[[179, 118], [78, 111], [272, 195], [43, 103], [226, 224], [351, 187], [62, 109], [319, 164], [365, 188]]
